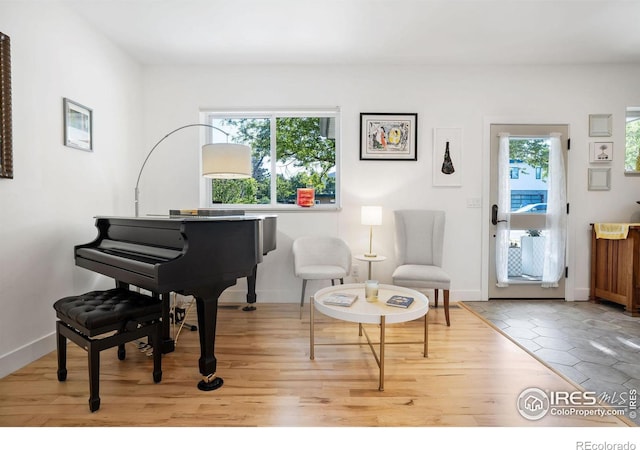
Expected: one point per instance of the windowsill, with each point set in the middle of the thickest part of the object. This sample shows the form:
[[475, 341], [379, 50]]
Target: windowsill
[[279, 208], [631, 173]]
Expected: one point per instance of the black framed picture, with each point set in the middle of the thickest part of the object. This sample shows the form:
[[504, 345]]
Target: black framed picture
[[6, 136], [388, 136], [78, 125]]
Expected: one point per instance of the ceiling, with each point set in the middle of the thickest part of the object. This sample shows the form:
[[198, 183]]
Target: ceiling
[[369, 31]]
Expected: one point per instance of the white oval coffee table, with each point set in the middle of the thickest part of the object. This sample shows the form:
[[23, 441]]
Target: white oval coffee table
[[364, 312]]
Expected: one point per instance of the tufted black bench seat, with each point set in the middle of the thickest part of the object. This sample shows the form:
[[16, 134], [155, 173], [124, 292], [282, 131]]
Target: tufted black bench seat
[[100, 320]]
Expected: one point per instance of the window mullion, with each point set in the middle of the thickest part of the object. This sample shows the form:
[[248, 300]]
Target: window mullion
[[273, 155]]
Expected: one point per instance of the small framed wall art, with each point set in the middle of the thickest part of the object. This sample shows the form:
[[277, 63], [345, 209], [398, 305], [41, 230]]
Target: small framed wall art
[[388, 136], [600, 179], [78, 125], [600, 152], [447, 157], [600, 125]]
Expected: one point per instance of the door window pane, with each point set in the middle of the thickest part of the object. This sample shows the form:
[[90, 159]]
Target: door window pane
[[530, 157], [528, 196]]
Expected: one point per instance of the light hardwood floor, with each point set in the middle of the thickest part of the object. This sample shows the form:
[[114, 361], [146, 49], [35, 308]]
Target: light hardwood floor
[[472, 377]]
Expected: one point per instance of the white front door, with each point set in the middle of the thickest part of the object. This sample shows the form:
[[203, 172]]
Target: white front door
[[528, 187]]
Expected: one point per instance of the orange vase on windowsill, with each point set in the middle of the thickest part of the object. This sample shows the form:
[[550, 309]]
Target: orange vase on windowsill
[[306, 197]]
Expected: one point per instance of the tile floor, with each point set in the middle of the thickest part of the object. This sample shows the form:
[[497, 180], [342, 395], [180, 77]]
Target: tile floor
[[593, 345]]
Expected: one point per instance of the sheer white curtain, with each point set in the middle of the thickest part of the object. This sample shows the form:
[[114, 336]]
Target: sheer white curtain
[[504, 213], [556, 218]]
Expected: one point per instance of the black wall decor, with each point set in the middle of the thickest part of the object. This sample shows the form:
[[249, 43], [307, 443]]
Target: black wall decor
[[6, 151]]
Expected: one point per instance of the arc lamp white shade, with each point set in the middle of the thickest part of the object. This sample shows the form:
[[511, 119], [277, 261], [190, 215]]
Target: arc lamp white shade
[[226, 161]]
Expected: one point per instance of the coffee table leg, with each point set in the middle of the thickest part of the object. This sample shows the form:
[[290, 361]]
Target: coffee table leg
[[426, 335], [382, 323], [311, 329]]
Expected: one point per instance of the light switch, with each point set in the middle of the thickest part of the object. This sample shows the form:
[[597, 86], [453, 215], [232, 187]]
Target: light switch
[[474, 203]]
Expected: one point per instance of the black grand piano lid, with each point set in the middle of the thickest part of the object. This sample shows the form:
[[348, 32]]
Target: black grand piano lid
[[269, 222]]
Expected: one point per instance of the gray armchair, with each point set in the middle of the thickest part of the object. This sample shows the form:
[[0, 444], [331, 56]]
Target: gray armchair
[[419, 236], [320, 258]]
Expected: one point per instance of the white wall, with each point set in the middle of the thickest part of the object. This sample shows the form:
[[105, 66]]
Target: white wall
[[49, 205], [469, 97]]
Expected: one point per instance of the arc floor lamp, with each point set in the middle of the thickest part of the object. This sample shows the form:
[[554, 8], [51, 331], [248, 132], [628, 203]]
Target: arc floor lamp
[[222, 161]]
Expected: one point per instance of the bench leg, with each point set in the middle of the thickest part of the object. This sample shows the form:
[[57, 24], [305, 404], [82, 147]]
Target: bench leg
[[94, 377], [62, 353]]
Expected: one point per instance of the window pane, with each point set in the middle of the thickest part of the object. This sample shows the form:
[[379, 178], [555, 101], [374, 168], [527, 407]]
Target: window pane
[[530, 158], [256, 133], [632, 147], [305, 157], [290, 150]]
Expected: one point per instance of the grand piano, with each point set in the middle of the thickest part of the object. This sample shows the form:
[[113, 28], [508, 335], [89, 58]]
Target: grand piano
[[269, 229], [196, 255]]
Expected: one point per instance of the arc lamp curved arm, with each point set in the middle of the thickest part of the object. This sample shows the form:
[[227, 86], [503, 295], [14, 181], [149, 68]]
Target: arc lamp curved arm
[[137, 192]]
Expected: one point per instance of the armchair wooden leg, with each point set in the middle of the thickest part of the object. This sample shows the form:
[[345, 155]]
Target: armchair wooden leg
[[446, 306], [435, 297]]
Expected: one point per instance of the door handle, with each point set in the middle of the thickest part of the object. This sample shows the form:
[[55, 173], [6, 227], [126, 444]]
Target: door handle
[[494, 215]]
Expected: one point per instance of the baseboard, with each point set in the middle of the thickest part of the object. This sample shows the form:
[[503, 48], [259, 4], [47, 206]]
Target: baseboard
[[470, 295], [25, 355], [291, 296], [581, 294]]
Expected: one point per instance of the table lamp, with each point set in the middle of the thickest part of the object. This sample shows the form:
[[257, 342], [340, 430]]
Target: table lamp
[[371, 215]]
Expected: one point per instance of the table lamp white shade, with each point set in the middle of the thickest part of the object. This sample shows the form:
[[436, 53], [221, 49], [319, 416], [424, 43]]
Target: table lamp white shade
[[226, 161], [371, 215]]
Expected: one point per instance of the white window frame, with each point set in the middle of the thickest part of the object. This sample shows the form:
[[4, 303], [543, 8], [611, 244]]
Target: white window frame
[[632, 114], [206, 137]]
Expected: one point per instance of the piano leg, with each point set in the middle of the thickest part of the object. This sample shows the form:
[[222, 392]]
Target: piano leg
[[207, 306], [168, 344], [251, 290]]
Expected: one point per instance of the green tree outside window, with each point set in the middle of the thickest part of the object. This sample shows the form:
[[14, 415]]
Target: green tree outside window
[[305, 157]]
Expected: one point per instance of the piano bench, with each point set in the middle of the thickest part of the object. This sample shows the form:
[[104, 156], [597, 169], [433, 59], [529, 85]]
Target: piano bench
[[100, 320]]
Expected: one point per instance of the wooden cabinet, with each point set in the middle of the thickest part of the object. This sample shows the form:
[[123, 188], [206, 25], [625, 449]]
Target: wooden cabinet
[[615, 270]]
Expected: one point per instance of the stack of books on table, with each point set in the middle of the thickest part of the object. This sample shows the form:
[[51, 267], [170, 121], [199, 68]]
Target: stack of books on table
[[340, 299]]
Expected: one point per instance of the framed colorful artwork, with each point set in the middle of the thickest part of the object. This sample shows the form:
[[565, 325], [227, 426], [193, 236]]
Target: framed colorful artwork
[[388, 136]]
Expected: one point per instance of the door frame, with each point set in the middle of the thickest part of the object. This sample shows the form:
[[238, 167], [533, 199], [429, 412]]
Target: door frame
[[486, 207]]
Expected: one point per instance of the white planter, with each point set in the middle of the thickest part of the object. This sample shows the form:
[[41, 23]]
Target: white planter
[[532, 255], [515, 262]]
